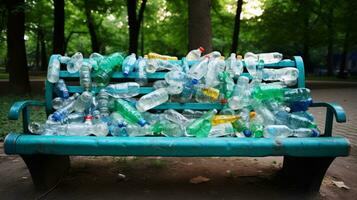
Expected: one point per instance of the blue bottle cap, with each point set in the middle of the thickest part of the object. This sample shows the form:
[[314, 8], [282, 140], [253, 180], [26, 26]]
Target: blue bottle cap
[[315, 133], [126, 74], [56, 116], [65, 94], [247, 133], [194, 81], [142, 122]]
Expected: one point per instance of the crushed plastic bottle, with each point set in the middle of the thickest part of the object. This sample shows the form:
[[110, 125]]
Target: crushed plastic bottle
[[198, 70], [129, 64], [221, 130], [85, 79], [288, 75], [129, 112], [61, 89], [175, 117], [142, 77], [75, 63], [215, 67], [240, 96], [201, 127], [223, 119], [83, 102], [160, 57], [103, 100], [105, 69]]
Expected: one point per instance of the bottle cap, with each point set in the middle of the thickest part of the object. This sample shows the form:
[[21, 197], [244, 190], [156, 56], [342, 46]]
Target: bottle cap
[[65, 94], [201, 49], [56, 116], [194, 81], [315, 133], [88, 117], [126, 74], [252, 115], [247, 133], [224, 101], [142, 122]]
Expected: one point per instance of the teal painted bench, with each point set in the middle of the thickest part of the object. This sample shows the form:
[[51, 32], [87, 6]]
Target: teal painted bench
[[47, 157]]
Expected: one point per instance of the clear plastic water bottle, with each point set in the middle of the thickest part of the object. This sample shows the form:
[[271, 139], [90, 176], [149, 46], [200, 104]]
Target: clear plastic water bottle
[[297, 94], [75, 63], [53, 68], [287, 75], [61, 89], [103, 99], [251, 61], [175, 77], [221, 130], [195, 54], [117, 119], [135, 131], [226, 87], [160, 84], [152, 100], [129, 64], [75, 118], [201, 127], [60, 114], [215, 67], [282, 131], [270, 58], [240, 96], [191, 114], [85, 79], [58, 102], [129, 112], [142, 77], [83, 129], [123, 90], [232, 66], [94, 59], [293, 121], [175, 117], [83, 102], [198, 70]]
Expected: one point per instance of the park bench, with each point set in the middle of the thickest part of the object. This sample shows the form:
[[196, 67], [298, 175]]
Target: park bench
[[47, 157]]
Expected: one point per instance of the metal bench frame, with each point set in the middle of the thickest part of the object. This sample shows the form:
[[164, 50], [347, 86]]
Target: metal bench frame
[[305, 159]]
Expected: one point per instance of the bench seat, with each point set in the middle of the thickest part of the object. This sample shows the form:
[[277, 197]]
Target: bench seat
[[178, 147]]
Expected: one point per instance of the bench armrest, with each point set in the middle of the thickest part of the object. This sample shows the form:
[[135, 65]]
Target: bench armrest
[[332, 109], [22, 107]]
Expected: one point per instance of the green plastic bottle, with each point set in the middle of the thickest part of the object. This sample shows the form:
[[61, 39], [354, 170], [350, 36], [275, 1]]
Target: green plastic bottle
[[268, 92], [256, 126], [227, 86], [201, 127], [129, 112], [106, 66], [168, 129]]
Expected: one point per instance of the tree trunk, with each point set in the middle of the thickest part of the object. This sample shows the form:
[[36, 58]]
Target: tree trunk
[[199, 24], [330, 41], [134, 23], [91, 28], [37, 54], [236, 27], [43, 50], [306, 40], [344, 55], [16, 51], [58, 32]]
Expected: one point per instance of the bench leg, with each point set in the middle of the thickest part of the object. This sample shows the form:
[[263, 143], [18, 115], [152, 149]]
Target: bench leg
[[46, 170], [305, 173]]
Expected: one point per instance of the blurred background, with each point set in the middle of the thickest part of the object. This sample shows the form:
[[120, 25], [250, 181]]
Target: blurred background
[[322, 31]]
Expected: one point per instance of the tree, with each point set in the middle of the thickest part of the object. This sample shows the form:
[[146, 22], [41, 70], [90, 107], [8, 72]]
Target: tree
[[91, 27], [58, 31], [199, 24], [134, 23], [236, 27], [16, 51]]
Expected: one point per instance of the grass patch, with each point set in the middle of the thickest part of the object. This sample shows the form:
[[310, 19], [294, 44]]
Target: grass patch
[[6, 126]]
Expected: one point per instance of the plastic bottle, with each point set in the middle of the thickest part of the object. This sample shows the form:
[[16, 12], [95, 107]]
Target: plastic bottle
[[75, 118], [201, 127], [268, 92], [85, 79], [117, 119], [61, 89], [215, 67], [123, 90], [256, 125], [161, 57], [160, 84], [94, 59], [135, 131], [103, 99], [302, 105], [198, 70], [152, 100], [188, 90], [175, 117], [195, 54], [251, 61], [142, 77], [221, 130], [270, 58], [75, 63], [83, 102], [129, 64], [223, 119], [58, 102], [296, 94], [293, 121], [233, 66], [287, 75], [53, 68], [168, 129], [282, 131], [211, 92], [192, 114], [106, 66], [83, 129], [240, 96], [129, 112], [227, 86], [175, 77], [61, 113]]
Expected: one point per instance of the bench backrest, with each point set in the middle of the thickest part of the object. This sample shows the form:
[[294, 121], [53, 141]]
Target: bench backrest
[[72, 81]]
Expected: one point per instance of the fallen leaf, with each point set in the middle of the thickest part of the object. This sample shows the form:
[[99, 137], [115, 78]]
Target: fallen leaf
[[199, 179], [121, 177], [341, 184]]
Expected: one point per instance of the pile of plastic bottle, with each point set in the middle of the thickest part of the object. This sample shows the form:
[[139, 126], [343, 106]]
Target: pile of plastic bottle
[[260, 106]]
